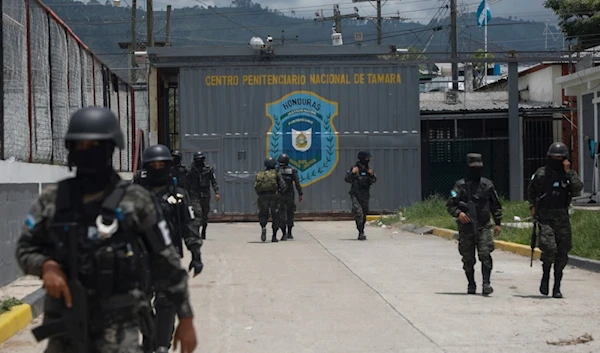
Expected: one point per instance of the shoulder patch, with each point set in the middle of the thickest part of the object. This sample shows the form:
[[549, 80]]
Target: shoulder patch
[[30, 221], [453, 193]]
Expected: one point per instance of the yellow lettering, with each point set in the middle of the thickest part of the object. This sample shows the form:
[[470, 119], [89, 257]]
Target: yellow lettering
[[331, 79], [359, 78], [256, 80], [384, 78], [221, 80]]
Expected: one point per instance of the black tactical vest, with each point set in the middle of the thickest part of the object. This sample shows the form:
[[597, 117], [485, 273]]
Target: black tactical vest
[[557, 195], [109, 257], [167, 201], [288, 175]]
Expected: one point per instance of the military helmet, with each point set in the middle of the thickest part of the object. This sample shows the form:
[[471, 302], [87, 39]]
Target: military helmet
[[176, 153], [363, 155], [558, 149], [270, 163], [474, 160], [283, 159], [157, 153], [198, 156], [94, 123]]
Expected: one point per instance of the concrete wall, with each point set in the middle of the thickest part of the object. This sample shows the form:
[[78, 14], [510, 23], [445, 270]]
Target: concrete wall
[[142, 117], [540, 85], [20, 185], [238, 121]]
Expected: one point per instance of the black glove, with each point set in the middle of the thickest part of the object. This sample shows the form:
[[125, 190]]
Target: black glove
[[196, 263]]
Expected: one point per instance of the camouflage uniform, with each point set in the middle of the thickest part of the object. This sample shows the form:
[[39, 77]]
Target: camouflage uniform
[[111, 330], [287, 206], [268, 202], [360, 191], [199, 181], [179, 171], [550, 191], [487, 204]]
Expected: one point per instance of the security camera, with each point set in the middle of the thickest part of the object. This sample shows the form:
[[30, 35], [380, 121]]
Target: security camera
[[257, 43]]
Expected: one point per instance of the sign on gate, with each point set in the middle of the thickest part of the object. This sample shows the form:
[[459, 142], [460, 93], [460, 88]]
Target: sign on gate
[[302, 127]]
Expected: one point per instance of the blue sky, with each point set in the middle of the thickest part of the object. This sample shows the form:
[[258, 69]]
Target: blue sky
[[416, 10]]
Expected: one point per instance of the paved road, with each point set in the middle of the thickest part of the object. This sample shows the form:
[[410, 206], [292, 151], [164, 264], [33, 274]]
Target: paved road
[[326, 292]]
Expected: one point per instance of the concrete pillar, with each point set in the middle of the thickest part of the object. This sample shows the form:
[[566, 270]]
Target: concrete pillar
[[515, 136], [468, 77]]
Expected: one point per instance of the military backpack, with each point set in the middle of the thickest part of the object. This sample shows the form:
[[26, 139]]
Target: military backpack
[[266, 180]]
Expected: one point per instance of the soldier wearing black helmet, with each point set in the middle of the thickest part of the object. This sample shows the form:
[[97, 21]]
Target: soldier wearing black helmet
[[86, 237], [472, 202], [200, 178], [288, 206], [269, 186], [361, 176], [173, 201], [550, 191], [179, 170]]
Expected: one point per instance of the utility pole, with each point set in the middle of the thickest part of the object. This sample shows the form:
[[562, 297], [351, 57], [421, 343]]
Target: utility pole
[[379, 19], [168, 26], [337, 17], [454, 44], [133, 41], [149, 24]]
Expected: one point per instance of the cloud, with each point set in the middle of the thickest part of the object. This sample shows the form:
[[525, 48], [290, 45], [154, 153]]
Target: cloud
[[415, 10]]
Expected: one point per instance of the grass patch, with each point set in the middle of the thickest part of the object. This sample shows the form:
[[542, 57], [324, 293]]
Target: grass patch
[[432, 212], [7, 303]]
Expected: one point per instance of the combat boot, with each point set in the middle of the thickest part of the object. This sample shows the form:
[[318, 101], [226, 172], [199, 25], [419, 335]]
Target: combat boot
[[289, 232], [263, 234], [203, 232], [545, 283], [284, 237], [472, 286], [486, 273], [274, 237], [557, 278]]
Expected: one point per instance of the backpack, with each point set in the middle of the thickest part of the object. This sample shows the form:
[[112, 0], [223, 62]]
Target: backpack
[[266, 180]]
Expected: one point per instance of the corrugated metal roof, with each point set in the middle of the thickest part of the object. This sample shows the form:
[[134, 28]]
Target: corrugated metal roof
[[475, 101]]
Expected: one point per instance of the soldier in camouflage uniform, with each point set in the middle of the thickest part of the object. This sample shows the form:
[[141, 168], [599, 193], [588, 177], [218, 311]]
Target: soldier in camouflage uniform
[[361, 176], [482, 193], [112, 226], [549, 193], [200, 178], [173, 202], [269, 185], [288, 206], [179, 171]]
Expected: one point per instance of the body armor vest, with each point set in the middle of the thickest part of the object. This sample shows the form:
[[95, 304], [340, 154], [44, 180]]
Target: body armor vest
[[201, 178], [109, 257], [480, 193], [556, 191], [288, 176], [168, 203], [364, 178]]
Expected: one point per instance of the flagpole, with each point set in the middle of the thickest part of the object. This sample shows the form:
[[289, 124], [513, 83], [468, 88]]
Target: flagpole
[[485, 43]]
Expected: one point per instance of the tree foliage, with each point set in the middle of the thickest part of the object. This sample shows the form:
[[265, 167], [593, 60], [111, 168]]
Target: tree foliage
[[578, 19]]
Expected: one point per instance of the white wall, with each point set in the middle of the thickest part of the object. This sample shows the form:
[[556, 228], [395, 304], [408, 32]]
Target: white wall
[[25, 173], [541, 85]]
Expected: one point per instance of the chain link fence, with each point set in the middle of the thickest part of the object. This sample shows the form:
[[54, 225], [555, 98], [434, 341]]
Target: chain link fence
[[49, 74]]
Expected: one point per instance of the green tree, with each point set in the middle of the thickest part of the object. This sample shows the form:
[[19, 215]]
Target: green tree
[[479, 67], [578, 19]]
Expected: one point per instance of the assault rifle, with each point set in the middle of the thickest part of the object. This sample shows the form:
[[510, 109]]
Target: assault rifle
[[75, 320], [536, 225], [470, 209]]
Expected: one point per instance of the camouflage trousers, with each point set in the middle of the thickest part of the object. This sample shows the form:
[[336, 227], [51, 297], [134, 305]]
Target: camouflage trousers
[[555, 239], [201, 207], [468, 242], [287, 207], [360, 208], [268, 205], [118, 337]]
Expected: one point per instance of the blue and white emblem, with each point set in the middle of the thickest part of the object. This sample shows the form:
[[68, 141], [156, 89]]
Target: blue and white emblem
[[302, 127]]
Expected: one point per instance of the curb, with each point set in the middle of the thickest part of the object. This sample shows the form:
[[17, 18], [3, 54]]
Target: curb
[[520, 249], [19, 316], [372, 218]]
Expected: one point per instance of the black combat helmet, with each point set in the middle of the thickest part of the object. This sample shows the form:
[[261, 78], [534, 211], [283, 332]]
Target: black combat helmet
[[177, 156], [270, 163], [156, 153], [474, 160], [558, 149], [94, 123], [198, 156], [283, 159]]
